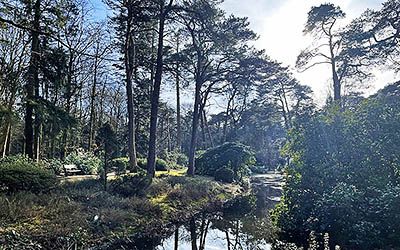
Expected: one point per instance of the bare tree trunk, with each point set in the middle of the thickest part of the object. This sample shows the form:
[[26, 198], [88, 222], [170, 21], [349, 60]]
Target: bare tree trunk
[[129, 65], [195, 125], [204, 234], [203, 131], [92, 102], [336, 83], [178, 103], [31, 83], [6, 139], [155, 97], [207, 128], [228, 107], [228, 242]]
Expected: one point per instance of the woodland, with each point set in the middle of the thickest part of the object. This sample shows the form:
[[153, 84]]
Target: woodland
[[161, 123]]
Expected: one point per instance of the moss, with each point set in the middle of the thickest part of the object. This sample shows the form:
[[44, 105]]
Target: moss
[[172, 172]]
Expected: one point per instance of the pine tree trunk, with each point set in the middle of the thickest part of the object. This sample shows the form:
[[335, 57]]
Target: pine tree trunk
[[31, 83], [178, 104], [195, 125], [151, 157], [129, 62], [92, 103]]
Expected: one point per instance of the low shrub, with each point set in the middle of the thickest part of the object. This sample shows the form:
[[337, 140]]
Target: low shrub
[[175, 159], [161, 165], [224, 174], [19, 173], [235, 156], [87, 162], [130, 185], [142, 163], [240, 205], [120, 164], [55, 165]]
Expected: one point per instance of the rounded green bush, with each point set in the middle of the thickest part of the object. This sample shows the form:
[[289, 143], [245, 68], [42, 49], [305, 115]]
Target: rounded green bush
[[87, 162], [22, 174], [161, 165], [130, 185], [120, 164], [235, 156], [224, 174]]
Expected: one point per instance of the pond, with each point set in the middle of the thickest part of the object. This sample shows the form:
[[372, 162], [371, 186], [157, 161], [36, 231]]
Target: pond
[[242, 224], [233, 230], [216, 237]]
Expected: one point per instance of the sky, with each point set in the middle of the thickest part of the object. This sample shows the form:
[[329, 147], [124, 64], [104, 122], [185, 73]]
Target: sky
[[279, 24]]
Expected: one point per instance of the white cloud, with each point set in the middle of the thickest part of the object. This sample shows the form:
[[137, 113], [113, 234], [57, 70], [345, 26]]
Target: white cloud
[[280, 28]]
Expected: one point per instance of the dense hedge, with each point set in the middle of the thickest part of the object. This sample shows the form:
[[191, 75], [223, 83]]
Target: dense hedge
[[18, 173]]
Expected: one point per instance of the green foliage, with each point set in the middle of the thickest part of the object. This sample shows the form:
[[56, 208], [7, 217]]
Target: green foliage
[[85, 161], [142, 163], [18, 173], [130, 185], [240, 206], [55, 165], [344, 174], [161, 165], [322, 15], [224, 174], [234, 156], [175, 159], [120, 164]]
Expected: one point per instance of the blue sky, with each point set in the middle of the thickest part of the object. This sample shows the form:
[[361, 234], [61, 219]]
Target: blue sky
[[99, 9], [279, 24]]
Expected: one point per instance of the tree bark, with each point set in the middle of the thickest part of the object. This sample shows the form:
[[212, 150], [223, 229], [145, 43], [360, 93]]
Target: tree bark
[[129, 65], [31, 83], [7, 138], [336, 83], [195, 125], [155, 97], [178, 103], [92, 102]]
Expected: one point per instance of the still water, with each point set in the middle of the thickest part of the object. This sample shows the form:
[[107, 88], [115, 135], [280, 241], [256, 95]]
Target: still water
[[215, 240]]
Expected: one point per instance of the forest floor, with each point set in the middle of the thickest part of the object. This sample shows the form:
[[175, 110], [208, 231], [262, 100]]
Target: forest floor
[[114, 175], [80, 213]]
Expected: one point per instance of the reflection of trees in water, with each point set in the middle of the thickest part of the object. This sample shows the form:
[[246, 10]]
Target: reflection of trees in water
[[239, 226], [248, 232]]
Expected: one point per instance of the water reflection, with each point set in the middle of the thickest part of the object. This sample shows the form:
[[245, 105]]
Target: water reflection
[[237, 227], [215, 232]]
